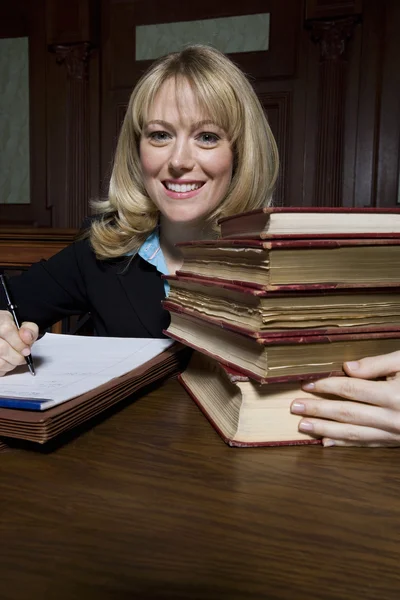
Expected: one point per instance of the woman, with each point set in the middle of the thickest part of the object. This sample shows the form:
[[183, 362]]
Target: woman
[[194, 146]]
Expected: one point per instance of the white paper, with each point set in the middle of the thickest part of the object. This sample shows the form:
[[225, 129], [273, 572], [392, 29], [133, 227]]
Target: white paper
[[69, 365]]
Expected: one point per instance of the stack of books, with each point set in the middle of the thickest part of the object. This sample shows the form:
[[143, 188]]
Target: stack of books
[[285, 295]]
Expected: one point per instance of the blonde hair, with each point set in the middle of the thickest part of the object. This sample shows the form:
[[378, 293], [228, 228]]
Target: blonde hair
[[223, 91]]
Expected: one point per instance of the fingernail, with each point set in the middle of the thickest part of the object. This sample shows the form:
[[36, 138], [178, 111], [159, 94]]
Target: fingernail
[[306, 426], [353, 365], [26, 352], [327, 443], [298, 408], [29, 334], [308, 386]]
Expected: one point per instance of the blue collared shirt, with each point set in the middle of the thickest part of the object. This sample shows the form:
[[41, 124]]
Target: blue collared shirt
[[151, 252]]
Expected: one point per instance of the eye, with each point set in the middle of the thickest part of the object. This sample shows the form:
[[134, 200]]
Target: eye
[[206, 138], [159, 137]]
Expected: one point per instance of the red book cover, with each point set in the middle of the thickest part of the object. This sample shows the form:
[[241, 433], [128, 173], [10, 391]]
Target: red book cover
[[324, 289], [280, 244], [267, 210], [291, 287], [304, 222]]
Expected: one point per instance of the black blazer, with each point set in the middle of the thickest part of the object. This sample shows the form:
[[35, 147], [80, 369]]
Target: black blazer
[[123, 298]]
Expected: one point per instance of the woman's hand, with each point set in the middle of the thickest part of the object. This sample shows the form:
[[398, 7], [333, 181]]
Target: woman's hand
[[367, 413], [15, 343]]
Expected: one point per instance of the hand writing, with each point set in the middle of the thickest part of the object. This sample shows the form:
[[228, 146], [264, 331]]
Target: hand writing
[[14, 344], [366, 412]]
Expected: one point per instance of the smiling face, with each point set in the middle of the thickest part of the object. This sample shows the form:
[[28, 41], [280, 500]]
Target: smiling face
[[186, 158]]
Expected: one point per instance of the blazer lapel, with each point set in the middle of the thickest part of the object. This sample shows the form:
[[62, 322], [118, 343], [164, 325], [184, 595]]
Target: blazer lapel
[[144, 288]]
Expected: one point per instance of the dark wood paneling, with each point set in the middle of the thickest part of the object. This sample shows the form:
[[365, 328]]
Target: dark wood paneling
[[326, 9], [388, 139], [287, 78], [120, 71], [72, 22], [279, 61], [278, 106], [14, 20], [73, 113], [369, 92], [37, 212], [21, 247]]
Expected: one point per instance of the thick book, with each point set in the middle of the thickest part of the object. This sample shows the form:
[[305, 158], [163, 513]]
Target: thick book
[[288, 264], [43, 426], [243, 412], [301, 222], [287, 313], [277, 358]]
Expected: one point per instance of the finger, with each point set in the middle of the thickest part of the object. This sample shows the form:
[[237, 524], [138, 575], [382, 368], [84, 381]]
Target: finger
[[354, 413], [380, 393], [372, 367], [326, 442], [9, 358], [9, 332], [346, 434], [6, 367], [29, 332]]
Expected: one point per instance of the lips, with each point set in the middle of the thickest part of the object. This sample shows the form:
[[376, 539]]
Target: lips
[[183, 187]]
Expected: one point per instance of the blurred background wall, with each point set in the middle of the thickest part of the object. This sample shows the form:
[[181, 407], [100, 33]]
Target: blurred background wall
[[325, 71]]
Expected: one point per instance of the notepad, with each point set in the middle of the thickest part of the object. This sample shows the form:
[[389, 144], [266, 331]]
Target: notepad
[[68, 366]]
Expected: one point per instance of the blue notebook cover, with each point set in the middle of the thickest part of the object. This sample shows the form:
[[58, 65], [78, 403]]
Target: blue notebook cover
[[21, 403]]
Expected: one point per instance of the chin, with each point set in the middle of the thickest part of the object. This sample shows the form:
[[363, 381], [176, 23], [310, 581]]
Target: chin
[[185, 219]]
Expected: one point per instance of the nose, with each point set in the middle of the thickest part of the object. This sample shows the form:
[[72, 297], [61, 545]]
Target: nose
[[181, 159]]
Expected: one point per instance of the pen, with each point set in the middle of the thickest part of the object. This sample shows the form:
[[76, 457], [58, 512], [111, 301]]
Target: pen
[[13, 310]]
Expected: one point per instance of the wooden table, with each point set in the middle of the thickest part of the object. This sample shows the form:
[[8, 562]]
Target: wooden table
[[150, 503]]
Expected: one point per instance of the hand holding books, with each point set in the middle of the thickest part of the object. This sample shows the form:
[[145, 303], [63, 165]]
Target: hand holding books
[[239, 300], [368, 411]]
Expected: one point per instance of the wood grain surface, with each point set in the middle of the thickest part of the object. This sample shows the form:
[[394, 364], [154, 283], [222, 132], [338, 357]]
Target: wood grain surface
[[150, 503]]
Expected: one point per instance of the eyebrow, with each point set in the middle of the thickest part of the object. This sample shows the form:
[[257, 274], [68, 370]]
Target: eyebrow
[[193, 127]]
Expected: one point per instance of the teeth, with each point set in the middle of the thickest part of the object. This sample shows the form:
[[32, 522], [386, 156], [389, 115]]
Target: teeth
[[182, 188]]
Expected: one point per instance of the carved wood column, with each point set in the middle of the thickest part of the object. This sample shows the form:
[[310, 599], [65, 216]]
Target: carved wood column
[[75, 57], [332, 37]]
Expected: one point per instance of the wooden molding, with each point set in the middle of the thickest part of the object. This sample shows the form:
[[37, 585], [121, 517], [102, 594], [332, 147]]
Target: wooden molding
[[278, 108], [76, 57], [21, 247], [72, 22], [328, 9], [332, 37]]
